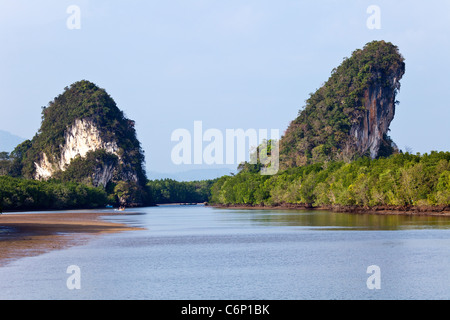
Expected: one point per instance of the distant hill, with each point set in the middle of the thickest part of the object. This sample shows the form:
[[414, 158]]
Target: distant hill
[[9, 141], [192, 175]]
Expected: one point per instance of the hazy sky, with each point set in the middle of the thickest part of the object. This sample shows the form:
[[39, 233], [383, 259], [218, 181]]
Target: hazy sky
[[230, 64]]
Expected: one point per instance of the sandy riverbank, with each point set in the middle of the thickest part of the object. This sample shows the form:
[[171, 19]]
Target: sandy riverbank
[[23, 235]]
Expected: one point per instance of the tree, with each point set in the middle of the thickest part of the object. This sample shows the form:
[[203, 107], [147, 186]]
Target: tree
[[4, 155], [398, 180]]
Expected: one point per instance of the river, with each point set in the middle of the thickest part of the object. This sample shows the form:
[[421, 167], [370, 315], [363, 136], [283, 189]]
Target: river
[[203, 253]]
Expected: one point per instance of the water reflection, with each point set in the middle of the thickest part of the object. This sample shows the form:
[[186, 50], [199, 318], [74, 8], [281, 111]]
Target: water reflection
[[335, 220]]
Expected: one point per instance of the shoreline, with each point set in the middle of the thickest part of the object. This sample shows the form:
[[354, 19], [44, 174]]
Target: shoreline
[[439, 211], [33, 234]]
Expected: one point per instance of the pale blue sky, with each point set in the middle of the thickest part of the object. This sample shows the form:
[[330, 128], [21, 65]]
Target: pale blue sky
[[231, 64]]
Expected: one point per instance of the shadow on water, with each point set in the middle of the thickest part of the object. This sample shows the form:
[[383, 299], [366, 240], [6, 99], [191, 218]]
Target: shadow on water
[[336, 220]]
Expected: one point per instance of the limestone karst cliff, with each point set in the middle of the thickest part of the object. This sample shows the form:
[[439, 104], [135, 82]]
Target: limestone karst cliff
[[349, 116], [79, 139], [379, 109], [84, 137]]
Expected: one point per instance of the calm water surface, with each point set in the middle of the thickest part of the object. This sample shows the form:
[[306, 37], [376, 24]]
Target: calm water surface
[[191, 252]]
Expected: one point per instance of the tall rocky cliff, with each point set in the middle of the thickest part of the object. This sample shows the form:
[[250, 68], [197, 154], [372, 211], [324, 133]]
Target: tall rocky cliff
[[379, 109], [79, 139], [84, 137], [349, 116]]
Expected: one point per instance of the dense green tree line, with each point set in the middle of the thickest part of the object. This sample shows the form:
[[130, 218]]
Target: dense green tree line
[[399, 180], [24, 194], [171, 191]]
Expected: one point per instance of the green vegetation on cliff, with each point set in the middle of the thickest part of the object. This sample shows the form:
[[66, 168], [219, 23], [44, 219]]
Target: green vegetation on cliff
[[82, 169], [323, 129], [337, 153], [84, 118], [110, 174], [83, 100]]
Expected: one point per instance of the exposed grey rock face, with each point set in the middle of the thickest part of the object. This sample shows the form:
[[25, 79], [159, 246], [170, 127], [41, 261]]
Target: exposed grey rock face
[[369, 133], [103, 174]]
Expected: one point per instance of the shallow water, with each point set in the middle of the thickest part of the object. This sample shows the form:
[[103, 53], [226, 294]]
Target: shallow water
[[193, 252]]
